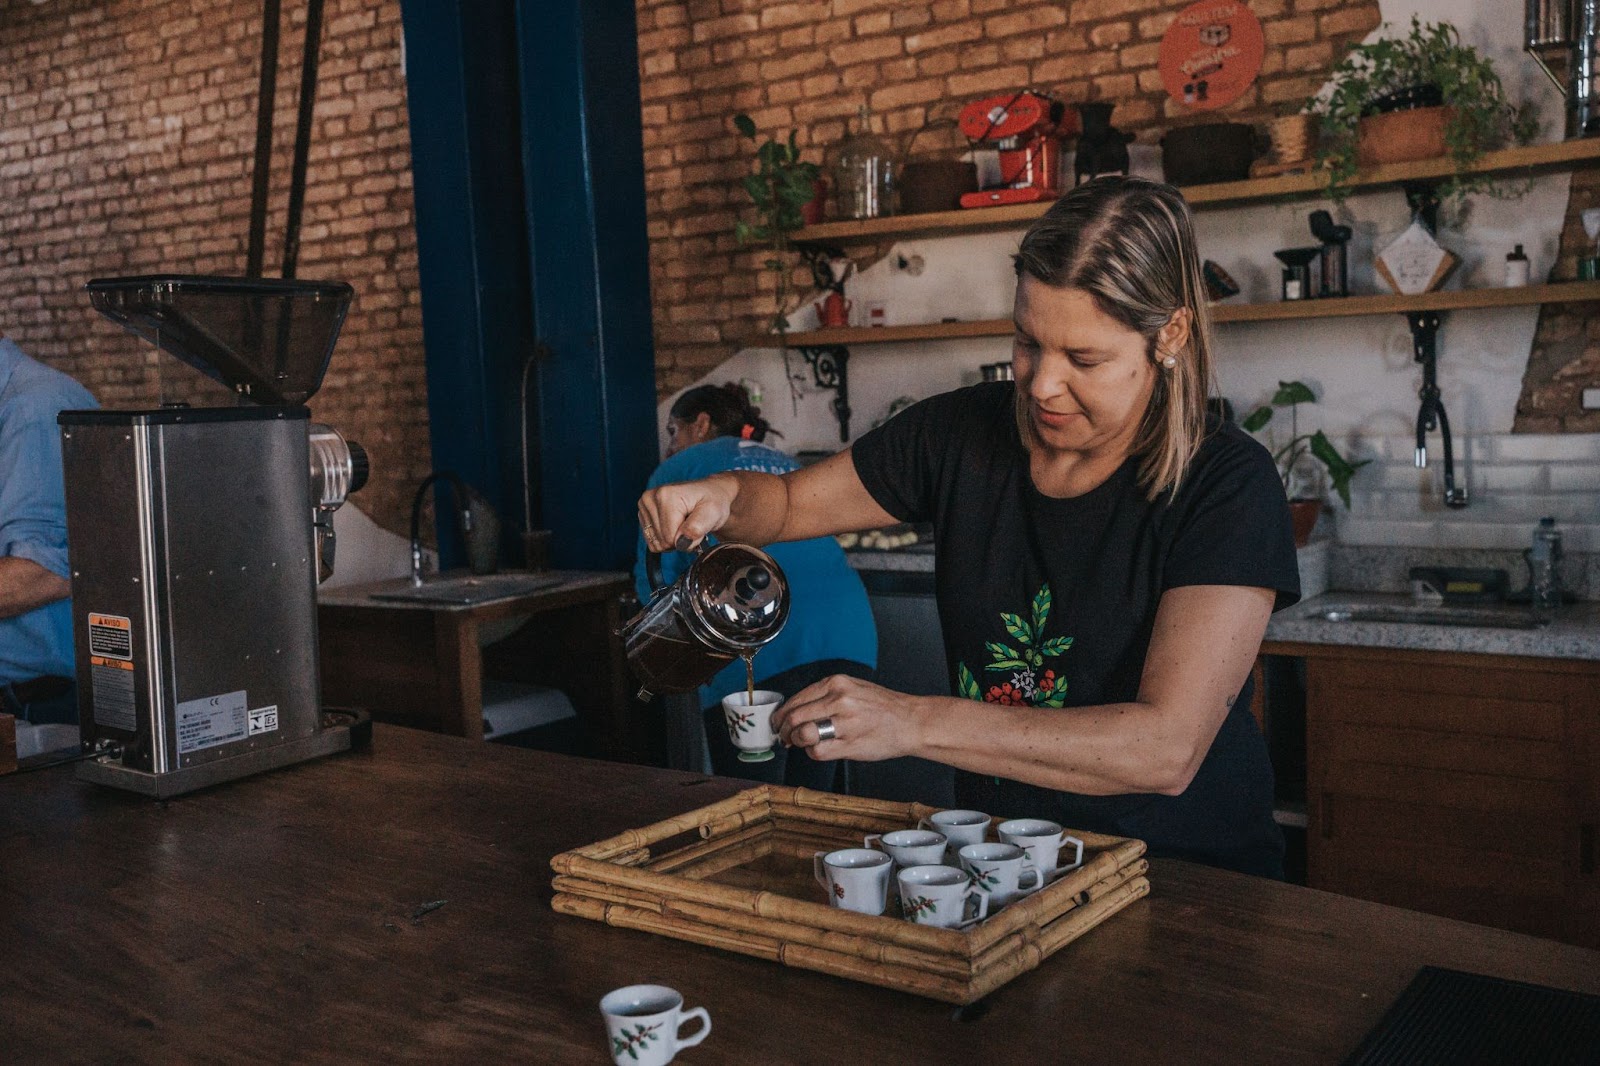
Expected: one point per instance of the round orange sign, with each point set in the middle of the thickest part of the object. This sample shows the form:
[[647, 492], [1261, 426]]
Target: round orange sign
[[1211, 53]]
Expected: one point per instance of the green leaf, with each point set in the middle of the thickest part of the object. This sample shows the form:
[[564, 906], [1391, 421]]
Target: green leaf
[[1256, 419], [1007, 664], [1340, 469], [1017, 628], [1292, 392], [966, 684], [1041, 610], [1001, 651], [1058, 646], [745, 125]]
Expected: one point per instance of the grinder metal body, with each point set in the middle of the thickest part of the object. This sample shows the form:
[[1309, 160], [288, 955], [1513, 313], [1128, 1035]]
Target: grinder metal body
[[195, 537]]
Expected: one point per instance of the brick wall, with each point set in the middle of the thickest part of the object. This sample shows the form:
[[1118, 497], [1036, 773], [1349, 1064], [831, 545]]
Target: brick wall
[[809, 64], [1566, 348], [127, 130]]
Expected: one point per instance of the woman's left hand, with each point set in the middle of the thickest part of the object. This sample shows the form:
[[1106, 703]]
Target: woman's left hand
[[870, 722]]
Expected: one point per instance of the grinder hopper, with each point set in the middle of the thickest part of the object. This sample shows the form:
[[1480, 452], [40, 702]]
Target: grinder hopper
[[197, 536]]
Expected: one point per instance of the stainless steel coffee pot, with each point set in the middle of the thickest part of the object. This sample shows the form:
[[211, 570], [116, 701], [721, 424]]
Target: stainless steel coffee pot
[[731, 600]]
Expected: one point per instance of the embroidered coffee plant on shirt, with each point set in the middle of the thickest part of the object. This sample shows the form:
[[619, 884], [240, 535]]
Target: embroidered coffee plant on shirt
[[1032, 682]]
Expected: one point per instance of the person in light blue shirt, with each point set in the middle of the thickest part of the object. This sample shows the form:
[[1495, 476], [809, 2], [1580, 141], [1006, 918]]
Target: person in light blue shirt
[[711, 429], [35, 615]]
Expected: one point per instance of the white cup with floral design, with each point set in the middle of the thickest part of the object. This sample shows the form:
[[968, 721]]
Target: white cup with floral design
[[960, 828], [1044, 842], [910, 847], [750, 723], [857, 879], [644, 1024], [999, 870], [939, 895]]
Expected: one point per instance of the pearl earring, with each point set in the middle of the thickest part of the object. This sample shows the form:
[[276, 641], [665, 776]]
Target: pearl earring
[[1169, 362]]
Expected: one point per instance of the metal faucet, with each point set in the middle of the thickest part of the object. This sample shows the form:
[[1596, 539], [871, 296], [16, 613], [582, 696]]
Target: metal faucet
[[1431, 415], [463, 505]]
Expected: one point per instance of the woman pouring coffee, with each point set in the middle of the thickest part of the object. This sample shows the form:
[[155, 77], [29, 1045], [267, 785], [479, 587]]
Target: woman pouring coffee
[[715, 428], [1107, 557]]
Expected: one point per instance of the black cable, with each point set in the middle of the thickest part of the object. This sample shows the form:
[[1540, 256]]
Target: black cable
[[93, 753]]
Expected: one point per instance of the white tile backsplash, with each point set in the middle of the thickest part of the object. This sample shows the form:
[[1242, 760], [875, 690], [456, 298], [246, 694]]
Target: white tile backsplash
[[1512, 481]]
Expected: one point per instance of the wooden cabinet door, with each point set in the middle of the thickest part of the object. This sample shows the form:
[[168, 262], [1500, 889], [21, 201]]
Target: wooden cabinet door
[[1445, 783], [1583, 842]]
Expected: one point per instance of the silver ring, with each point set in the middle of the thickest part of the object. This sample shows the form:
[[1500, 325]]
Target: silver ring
[[825, 730]]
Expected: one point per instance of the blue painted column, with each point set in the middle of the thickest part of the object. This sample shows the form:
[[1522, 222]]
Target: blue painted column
[[517, 253], [583, 170]]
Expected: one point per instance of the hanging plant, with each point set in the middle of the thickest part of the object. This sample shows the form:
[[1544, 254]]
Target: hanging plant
[[1429, 67], [781, 186]]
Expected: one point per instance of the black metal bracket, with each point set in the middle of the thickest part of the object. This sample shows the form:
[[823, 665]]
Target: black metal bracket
[[1424, 342], [1423, 199], [830, 369], [816, 255]]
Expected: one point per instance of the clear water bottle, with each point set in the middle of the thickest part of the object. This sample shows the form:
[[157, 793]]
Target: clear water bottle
[[1544, 558]]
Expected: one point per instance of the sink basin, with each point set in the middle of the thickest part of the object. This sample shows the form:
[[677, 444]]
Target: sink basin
[[471, 589], [1480, 617]]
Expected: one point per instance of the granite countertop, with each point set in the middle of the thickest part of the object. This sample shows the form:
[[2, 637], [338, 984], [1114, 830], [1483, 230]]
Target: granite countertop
[[1574, 634], [917, 559]]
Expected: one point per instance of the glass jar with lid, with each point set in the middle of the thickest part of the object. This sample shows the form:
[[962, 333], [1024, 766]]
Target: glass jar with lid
[[864, 174]]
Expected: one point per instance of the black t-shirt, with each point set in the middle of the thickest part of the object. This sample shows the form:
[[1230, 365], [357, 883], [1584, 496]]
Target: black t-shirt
[[1051, 602]]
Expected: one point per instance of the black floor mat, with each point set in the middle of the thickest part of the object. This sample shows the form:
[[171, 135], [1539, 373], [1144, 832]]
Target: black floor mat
[[1451, 1018]]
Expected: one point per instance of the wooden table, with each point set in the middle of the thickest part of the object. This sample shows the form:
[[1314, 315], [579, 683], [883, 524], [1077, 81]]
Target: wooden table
[[422, 664], [279, 918]]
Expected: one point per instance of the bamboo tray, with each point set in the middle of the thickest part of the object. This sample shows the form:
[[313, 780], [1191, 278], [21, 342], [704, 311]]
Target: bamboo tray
[[737, 875]]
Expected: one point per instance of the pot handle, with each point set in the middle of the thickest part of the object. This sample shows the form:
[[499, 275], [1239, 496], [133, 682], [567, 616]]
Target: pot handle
[[652, 571], [652, 565]]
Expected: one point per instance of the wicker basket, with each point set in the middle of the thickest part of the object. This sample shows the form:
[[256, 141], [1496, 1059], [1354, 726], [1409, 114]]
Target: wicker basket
[[1294, 139], [737, 875]]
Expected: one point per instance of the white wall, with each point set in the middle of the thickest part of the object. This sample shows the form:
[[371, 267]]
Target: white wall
[[1361, 368]]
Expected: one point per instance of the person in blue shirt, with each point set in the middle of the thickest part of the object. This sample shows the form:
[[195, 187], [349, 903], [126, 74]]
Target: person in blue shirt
[[36, 674], [712, 429]]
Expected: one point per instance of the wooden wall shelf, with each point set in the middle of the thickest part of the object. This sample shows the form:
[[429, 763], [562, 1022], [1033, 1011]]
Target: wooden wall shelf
[[1451, 300], [1510, 163]]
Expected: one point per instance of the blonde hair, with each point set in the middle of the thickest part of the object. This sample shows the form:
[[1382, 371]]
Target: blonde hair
[[1129, 243]]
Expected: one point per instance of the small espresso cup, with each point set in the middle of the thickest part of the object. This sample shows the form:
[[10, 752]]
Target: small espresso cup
[[938, 895], [999, 870], [750, 724], [643, 1024], [910, 847], [960, 828], [857, 879], [1043, 841]]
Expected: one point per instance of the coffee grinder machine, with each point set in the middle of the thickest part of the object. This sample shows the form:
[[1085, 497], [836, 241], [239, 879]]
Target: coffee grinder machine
[[198, 535]]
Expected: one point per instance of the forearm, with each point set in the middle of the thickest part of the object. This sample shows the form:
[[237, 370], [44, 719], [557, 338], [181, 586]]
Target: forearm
[[759, 510], [1099, 751], [27, 586]]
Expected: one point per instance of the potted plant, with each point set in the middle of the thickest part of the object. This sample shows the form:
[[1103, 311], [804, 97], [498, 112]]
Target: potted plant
[[1297, 459], [781, 187], [1419, 96]]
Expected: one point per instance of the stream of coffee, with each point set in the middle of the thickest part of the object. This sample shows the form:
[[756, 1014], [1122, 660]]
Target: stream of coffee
[[749, 677]]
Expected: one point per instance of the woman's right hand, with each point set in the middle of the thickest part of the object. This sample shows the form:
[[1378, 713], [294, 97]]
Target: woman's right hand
[[677, 517]]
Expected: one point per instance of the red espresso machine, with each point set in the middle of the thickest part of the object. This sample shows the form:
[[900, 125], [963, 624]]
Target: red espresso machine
[[1028, 128]]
